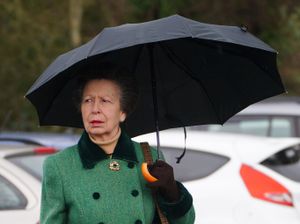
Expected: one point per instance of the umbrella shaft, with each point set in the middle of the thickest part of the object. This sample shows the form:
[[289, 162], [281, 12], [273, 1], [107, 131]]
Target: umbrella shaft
[[154, 96]]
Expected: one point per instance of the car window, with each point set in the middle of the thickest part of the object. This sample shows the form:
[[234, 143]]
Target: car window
[[33, 164], [286, 162], [194, 165], [258, 126], [282, 127], [275, 126], [10, 197], [242, 125]]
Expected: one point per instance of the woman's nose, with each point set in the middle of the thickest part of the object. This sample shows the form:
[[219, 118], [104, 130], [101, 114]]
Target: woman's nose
[[96, 107]]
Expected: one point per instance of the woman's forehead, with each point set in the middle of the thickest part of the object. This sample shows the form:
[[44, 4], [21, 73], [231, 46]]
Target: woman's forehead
[[102, 86]]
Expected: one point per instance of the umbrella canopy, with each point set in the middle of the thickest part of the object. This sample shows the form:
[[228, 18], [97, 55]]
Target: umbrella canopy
[[198, 73]]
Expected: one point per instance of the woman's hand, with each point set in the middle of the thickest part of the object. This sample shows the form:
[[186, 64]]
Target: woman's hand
[[166, 184]]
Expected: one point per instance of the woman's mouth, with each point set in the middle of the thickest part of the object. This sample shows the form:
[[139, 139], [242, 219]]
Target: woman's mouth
[[96, 122]]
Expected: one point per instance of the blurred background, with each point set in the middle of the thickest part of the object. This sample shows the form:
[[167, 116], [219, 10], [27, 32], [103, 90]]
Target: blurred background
[[221, 168], [34, 32]]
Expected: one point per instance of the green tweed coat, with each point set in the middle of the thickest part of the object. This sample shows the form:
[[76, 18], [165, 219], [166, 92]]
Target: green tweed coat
[[79, 188]]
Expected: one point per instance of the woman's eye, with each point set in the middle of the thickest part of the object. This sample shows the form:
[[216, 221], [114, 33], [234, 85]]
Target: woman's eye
[[87, 100], [105, 100]]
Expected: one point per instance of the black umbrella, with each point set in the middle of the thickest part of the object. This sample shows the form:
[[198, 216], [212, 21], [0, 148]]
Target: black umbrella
[[189, 73]]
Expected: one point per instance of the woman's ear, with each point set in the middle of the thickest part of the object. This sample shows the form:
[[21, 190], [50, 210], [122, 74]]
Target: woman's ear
[[122, 117]]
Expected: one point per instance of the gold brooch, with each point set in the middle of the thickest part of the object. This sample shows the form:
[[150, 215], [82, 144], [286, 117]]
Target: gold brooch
[[114, 166]]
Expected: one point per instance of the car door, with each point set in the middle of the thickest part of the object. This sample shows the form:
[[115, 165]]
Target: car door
[[18, 203]]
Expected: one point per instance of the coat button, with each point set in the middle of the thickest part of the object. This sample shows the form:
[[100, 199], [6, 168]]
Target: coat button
[[130, 165], [138, 222], [134, 193], [96, 195]]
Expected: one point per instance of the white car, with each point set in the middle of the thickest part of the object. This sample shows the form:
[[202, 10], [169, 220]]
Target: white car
[[236, 179], [20, 182]]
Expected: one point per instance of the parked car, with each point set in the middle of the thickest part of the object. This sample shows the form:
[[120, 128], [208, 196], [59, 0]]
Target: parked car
[[56, 140], [275, 117], [20, 180], [236, 179]]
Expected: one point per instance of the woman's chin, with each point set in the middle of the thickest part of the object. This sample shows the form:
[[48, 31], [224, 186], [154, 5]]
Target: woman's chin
[[96, 131]]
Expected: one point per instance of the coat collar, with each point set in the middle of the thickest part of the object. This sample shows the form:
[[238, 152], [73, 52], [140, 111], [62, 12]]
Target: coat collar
[[90, 153]]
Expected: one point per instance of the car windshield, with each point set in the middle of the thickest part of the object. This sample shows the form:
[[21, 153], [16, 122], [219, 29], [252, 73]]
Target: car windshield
[[32, 164], [286, 162]]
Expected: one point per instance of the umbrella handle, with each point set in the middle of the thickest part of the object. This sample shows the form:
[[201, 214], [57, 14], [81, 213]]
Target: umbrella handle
[[146, 174]]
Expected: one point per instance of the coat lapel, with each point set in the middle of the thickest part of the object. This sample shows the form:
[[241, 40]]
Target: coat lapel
[[90, 153]]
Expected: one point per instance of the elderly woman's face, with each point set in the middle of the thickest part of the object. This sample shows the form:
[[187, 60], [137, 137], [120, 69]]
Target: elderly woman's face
[[101, 109]]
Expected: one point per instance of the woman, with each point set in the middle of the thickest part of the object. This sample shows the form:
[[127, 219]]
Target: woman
[[99, 180]]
